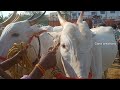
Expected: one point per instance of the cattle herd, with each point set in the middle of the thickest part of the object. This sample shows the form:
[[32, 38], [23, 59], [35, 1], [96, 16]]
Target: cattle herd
[[82, 50]]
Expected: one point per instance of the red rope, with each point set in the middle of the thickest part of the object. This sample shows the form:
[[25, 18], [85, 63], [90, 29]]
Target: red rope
[[35, 35], [60, 75], [2, 58]]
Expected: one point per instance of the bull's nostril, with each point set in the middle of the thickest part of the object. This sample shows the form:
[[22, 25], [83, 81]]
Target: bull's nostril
[[63, 45], [15, 35]]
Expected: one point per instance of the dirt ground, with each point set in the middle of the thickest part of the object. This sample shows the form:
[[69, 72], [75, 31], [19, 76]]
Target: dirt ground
[[114, 71]]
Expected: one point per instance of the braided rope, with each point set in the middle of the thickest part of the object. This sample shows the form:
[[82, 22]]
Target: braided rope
[[24, 67]]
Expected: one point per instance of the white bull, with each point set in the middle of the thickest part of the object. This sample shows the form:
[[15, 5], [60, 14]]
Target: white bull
[[77, 45], [84, 50]]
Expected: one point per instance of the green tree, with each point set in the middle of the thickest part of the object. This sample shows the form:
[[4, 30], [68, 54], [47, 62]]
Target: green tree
[[43, 20], [24, 17], [33, 12], [1, 17]]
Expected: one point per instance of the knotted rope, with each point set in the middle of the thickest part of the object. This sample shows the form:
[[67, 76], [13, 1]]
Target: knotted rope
[[24, 67]]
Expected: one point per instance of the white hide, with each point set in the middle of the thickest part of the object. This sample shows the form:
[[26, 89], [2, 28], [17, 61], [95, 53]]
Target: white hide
[[52, 29], [49, 28], [104, 50], [71, 37], [57, 29]]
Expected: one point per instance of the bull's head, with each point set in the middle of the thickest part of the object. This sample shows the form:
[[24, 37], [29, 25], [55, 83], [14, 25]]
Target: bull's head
[[17, 32], [75, 46]]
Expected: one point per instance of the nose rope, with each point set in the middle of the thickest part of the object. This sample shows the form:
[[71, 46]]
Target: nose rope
[[2, 58]]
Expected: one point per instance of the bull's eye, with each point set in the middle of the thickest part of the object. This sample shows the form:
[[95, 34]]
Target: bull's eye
[[15, 35], [63, 45]]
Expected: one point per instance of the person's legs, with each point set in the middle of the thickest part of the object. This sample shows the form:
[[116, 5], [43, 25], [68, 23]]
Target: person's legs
[[119, 51]]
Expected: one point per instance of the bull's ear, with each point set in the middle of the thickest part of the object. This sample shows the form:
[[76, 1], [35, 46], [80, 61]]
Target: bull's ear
[[80, 19]]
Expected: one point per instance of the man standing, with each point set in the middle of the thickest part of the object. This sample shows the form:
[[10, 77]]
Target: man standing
[[97, 21], [117, 37], [94, 21]]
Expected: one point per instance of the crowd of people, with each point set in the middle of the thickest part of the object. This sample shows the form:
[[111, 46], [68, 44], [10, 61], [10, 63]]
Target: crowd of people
[[96, 21], [116, 28]]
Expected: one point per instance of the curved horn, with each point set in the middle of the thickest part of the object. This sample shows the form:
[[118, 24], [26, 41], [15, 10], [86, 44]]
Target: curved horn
[[61, 19], [16, 19], [9, 20], [34, 21], [80, 19], [31, 17]]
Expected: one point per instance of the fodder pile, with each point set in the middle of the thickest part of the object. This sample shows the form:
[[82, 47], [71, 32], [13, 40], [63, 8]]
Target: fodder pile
[[114, 71]]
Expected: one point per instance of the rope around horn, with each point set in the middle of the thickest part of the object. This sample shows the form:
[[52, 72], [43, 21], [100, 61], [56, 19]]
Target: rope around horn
[[24, 67]]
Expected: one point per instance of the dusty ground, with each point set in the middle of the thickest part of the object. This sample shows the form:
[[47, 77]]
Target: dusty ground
[[114, 71]]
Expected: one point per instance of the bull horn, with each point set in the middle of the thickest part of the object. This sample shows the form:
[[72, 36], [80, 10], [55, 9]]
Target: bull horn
[[31, 17], [80, 19], [61, 19], [16, 19], [34, 21], [9, 20]]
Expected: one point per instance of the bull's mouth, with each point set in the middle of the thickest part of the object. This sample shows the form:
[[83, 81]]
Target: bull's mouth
[[75, 69], [68, 69]]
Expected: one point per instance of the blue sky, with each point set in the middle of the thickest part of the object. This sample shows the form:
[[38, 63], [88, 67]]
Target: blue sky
[[5, 13]]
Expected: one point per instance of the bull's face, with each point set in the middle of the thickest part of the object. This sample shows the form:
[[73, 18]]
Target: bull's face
[[15, 33], [75, 47], [69, 48]]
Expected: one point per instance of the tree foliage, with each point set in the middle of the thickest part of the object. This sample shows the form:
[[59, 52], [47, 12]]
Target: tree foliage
[[26, 15], [33, 12], [1, 17], [43, 20]]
